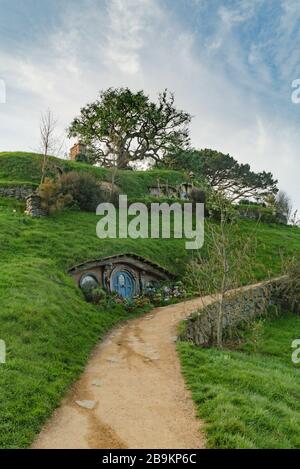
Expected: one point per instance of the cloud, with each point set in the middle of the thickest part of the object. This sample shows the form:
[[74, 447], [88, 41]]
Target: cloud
[[129, 26], [239, 13], [223, 68]]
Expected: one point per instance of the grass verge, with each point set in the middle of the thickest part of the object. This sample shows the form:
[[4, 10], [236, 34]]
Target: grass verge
[[249, 397]]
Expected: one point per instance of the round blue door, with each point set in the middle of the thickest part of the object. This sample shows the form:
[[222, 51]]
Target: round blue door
[[123, 284]]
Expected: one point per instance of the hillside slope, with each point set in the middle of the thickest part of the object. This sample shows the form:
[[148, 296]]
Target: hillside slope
[[25, 168], [48, 328]]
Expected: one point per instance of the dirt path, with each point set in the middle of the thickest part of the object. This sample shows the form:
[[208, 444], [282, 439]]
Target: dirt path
[[133, 379]]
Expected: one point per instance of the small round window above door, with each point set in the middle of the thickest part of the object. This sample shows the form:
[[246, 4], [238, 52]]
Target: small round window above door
[[122, 283]]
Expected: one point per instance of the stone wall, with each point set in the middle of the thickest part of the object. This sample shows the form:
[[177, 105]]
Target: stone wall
[[18, 192], [244, 306], [286, 293], [34, 206]]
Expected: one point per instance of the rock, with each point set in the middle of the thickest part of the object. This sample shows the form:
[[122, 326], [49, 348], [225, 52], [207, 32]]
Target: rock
[[86, 404], [113, 360], [97, 382]]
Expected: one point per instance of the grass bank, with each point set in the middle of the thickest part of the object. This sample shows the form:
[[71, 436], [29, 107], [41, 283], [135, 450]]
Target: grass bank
[[249, 397], [21, 168], [48, 327]]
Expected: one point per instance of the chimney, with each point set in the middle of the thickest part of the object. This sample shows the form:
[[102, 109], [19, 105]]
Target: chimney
[[76, 149]]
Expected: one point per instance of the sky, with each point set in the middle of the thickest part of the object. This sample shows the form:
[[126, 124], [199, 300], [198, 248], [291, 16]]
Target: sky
[[230, 63]]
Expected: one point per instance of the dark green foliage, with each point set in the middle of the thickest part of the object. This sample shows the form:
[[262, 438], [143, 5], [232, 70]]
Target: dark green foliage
[[84, 158], [94, 295], [257, 212], [121, 127], [198, 195], [224, 173], [84, 189]]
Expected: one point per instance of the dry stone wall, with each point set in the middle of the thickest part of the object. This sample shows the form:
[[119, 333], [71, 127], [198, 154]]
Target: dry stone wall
[[18, 192], [244, 306]]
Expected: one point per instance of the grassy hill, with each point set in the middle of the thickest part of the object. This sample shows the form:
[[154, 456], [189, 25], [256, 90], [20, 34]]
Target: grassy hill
[[48, 327], [25, 168]]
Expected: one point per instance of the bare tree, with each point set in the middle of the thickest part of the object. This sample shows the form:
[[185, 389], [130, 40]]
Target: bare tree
[[285, 211], [295, 218], [283, 205], [49, 143], [225, 265]]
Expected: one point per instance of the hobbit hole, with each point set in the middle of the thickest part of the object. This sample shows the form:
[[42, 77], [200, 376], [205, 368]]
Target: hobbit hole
[[126, 274]]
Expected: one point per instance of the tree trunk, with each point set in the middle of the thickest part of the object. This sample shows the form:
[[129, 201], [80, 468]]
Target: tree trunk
[[122, 159]]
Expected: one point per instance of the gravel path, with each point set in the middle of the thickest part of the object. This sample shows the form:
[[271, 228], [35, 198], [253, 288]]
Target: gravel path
[[131, 394]]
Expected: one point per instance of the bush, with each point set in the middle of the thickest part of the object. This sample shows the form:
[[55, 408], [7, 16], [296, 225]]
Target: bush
[[87, 158], [110, 192], [129, 304], [84, 189], [52, 198], [160, 294], [257, 212], [94, 295], [198, 195]]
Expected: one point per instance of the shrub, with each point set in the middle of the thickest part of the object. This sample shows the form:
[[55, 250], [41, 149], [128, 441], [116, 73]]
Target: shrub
[[160, 294], [198, 195], [129, 304], [85, 158], [84, 189], [110, 192], [94, 295], [257, 212], [52, 198]]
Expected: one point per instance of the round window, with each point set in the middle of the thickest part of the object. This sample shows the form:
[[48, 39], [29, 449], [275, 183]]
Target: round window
[[88, 282]]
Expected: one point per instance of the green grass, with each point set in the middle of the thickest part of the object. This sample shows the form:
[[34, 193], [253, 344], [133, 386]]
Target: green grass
[[49, 332], [48, 327], [275, 243], [17, 168], [249, 397]]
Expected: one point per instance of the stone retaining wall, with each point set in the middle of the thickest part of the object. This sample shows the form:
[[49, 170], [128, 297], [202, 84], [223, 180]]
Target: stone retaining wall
[[18, 192], [244, 306], [34, 206]]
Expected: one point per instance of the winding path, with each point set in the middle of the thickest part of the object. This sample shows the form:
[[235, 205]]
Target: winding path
[[134, 389]]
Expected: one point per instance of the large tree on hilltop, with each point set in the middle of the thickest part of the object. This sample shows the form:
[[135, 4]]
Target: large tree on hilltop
[[224, 174], [122, 127]]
